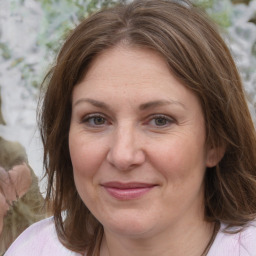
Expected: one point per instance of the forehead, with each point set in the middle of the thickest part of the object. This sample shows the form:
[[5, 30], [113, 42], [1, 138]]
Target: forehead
[[133, 75], [127, 66], [125, 60]]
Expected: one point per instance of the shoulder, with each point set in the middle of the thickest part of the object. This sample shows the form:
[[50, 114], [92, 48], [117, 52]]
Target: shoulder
[[39, 239], [239, 244]]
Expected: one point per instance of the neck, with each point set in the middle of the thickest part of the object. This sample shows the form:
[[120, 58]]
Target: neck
[[191, 239]]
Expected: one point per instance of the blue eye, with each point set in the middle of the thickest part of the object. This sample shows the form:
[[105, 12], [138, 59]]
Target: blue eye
[[95, 120]]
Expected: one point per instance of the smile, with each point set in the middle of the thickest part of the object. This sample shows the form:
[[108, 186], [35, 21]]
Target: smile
[[127, 191]]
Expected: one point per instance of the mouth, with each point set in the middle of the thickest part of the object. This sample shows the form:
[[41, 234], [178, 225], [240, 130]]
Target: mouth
[[127, 191]]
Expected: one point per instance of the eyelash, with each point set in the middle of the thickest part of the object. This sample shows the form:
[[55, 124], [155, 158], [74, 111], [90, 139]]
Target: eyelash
[[92, 117], [168, 120]]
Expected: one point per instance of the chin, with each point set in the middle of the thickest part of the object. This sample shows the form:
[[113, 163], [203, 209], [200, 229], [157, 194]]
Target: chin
[[130, 226]]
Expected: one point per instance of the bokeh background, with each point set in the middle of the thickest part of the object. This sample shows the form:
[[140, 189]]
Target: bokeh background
[[32, 32]]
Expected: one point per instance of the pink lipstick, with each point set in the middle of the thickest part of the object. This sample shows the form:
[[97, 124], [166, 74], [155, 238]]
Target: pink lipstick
[[127, 191]]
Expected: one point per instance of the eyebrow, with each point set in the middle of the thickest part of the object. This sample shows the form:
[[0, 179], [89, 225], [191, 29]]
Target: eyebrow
[[144, 106], [160, 103], [96, 103]]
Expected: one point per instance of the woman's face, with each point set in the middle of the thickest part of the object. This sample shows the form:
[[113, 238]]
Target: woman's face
[[137, 144]]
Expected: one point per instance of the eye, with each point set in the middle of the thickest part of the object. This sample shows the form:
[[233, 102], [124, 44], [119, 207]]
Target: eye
[[94, 120], [160, 121]]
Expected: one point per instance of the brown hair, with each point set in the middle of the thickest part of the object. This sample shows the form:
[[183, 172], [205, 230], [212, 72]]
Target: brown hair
[[197, 55]]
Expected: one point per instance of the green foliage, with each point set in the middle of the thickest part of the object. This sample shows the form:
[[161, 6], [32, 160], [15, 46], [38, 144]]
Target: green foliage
[[241, 1], [96, 4], [254, 50], [60, 17], [219, 10], [6, 52], [205, 4]]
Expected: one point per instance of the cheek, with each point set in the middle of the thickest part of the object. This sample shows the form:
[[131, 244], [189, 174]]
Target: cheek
[[83, 161], [180, 161], [183, 170], [84, 168], [86, 155]]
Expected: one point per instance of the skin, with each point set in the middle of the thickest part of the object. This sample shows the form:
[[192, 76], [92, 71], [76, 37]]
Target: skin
[[14, 184], [133, 121]]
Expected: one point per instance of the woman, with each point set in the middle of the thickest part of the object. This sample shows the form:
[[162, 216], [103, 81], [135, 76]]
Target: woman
[[149, 144]]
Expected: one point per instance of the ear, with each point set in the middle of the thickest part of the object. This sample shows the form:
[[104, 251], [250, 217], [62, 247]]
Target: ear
[[214, 155]]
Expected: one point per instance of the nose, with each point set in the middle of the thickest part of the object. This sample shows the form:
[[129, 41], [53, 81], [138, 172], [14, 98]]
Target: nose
[[125, 151]]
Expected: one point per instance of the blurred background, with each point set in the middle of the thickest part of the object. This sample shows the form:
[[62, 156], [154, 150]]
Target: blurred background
[[32, 32]]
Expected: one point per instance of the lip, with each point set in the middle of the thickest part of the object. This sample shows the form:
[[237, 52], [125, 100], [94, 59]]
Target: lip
[[127, 191]]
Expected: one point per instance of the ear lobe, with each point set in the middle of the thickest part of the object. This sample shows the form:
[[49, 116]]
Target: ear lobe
[[214, 155]]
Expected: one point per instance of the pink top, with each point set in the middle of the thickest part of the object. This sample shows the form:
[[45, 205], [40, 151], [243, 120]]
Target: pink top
[[41, 239], [240, 244]]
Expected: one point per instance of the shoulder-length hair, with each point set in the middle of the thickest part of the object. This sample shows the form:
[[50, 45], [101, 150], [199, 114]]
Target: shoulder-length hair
[[197, 55]]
